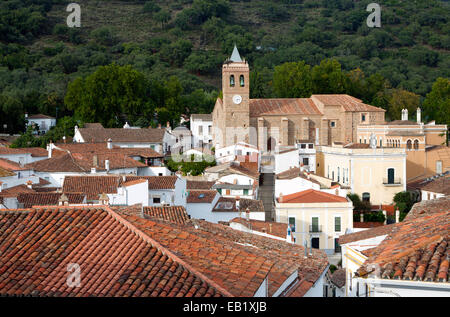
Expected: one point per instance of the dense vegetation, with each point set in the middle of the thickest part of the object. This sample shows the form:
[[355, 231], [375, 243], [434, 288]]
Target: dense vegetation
[[151, 61]]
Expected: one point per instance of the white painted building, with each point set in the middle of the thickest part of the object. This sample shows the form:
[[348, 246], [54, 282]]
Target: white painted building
[[240, 149], [307, 156], [43, 122], [286, 159], [201, 129]]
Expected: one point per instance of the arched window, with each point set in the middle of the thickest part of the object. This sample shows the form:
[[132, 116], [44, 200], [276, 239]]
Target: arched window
[[366, 196], [409, 145], [241, 80], [416, 144], [232, 81]]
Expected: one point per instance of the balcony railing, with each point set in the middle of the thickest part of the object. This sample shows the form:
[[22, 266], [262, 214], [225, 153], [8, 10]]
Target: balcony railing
[[315, 228], [392, 182]]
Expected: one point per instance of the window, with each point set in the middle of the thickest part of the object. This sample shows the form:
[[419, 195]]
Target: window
[[381, 143], [333, 124], [337, 246], [315, 224], [363, 117], [311, 146], [409, 145], [366, 196], [391, 175], [292, 223], [303, 146], [210, 129], [337, 224], [305, 161], [315, 243], [438, 167], [156, 200], [232, 81], [416, 144], [200, 130], [339, 175], [245, 191], [241, 80]]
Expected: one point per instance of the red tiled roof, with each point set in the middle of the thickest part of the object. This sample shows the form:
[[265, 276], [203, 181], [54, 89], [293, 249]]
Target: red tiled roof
[[15, 191], [286, 106], [277, 229], [236, 260], [174, 214], [11, 165], [201, 196], [102, 148], [47, 199], [116, 259], [338, 278], [40, 116], [347, 102], [228, 204], [157, 182], [370, 224], [123, 135], [204, 185], [416, 249], [134, 182], [92, 186], [366, 234], [34, 151], [6, 173], [429, 207], [311, 196]]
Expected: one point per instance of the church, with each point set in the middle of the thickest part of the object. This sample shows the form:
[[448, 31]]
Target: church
[[268, 123]]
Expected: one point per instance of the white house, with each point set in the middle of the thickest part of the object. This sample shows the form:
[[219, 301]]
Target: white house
[[23, 155], [286, 159], [316, 217], [237, 152], [307, 155], [201, 129], [42, 121], [200, 203]]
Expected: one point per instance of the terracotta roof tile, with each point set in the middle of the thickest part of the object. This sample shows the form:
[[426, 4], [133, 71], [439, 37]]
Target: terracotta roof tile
[[47, 199], [415, 249], [347, 102], [116, 259], [429, 207], [122, 135], [338, 278], [174, 214], [310, 196], [11, 165], [15, 191], [286, 106], [201, 196], [273, 228], [204, 185], [92, 186]]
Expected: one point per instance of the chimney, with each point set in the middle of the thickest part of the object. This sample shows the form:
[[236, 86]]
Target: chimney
[[264, 230], [397, 216], [419, 115], [109, 144], [64, 139], [168, 126], [385, 216], [405, 115], [63, 200], [30, 184], [288, 234], [107, 165], [26, 115], [50, 149], [361, 217], [93, 170], [270, 228], [104, 199], [247, 214], [159, 125]]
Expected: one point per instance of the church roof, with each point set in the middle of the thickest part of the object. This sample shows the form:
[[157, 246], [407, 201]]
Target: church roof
[[283, 106], [348, 102], [235, 57]]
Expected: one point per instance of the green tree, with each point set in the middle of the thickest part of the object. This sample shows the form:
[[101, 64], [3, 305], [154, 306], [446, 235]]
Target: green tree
[[107, 93], [437, 102], [292, 80], [328, 78], [403, 201], [401, 99]]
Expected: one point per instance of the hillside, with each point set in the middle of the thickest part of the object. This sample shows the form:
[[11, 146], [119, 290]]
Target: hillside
[[190, 39]]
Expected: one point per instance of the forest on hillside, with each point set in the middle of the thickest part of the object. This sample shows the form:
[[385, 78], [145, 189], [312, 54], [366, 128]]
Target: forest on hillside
[[150, 61]]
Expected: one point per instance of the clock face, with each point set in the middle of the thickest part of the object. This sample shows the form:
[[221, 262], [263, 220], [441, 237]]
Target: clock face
[[237, 99]]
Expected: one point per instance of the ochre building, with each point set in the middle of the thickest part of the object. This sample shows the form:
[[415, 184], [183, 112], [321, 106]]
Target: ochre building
[[267, 123]]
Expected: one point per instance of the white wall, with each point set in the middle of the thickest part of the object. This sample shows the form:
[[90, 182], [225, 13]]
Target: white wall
[[317, 289], [131, 195], [432, 195], [154, 171], [400, 288], [291, 186], [44, 124], [285, 161], [227, 154], [206, 137]]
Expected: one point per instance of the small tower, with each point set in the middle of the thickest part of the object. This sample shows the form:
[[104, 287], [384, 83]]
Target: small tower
[[236, 99]]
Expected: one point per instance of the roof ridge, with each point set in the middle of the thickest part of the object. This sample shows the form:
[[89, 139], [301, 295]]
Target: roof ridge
[[164, 250]]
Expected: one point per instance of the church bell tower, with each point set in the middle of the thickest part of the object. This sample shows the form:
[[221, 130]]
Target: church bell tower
[[236, 99]]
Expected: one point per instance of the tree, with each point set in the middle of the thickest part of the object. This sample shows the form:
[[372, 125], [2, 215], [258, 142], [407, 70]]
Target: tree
[[403, 201], [292, 80], [401, 99], [162, 17], [328, 78], [107, 93], [437, 102]]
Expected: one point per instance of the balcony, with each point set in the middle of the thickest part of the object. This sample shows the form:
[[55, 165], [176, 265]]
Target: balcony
[[392, 182], [315, 229]]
